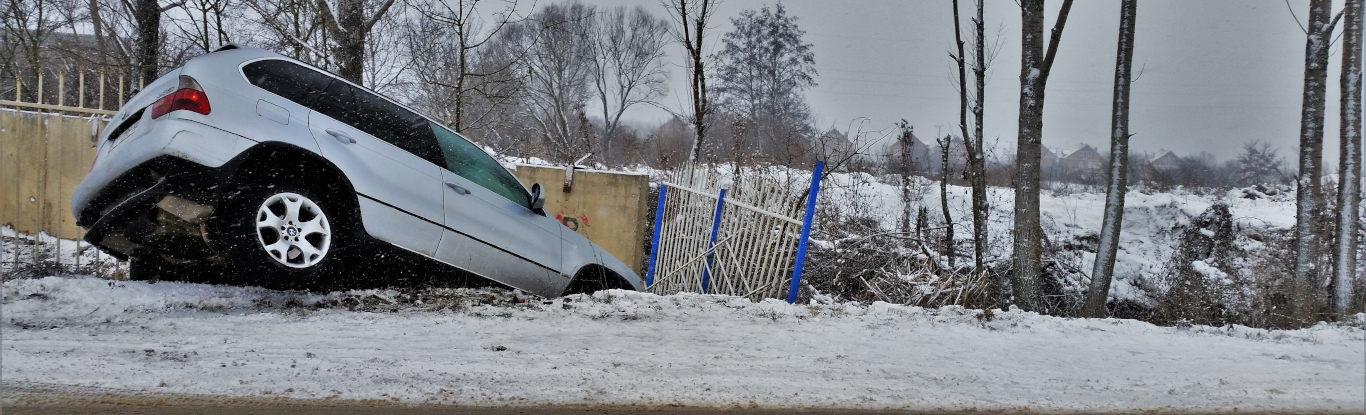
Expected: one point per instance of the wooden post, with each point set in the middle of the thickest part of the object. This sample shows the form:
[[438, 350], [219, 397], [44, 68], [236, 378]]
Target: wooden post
[[61, 89], [101, 88], [120, 96], [80, 90], [40, 87], [18, 97]]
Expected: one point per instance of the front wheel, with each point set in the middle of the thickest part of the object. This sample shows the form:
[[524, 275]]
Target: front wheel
[[284, 235]]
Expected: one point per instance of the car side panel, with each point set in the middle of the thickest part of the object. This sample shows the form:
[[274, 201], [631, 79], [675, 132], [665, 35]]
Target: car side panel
[[387, 175], [493, 240], [241, 108], [388, 224]]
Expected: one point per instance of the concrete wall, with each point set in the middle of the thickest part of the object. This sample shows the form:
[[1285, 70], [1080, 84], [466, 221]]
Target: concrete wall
[[42, 159], [607, 208]]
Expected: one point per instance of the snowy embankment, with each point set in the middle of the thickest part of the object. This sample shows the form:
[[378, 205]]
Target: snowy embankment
[[1071, 217], [487, 348]]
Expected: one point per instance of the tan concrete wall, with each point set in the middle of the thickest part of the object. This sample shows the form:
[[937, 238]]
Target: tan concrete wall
[[605, 207], [42, 159]]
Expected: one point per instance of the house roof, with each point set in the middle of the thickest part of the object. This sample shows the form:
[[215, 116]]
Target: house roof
[[1079, 148], [1160, 155]]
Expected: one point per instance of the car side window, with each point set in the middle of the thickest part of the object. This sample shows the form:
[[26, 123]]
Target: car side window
[[466, 160], [380, 118], [290, 80]]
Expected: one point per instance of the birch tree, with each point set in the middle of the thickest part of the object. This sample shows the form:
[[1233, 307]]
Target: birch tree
[[690, 24], [1034, 68], [1117, 183], [1349, 165], [1308, 193]]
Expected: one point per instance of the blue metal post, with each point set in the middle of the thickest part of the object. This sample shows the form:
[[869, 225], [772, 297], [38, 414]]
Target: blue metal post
[[654, 241], [715, 227], [806, 233]]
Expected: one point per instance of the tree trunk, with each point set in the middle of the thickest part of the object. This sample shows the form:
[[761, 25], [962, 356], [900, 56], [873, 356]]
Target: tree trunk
[[1104, 268], [944, 146], [1349, 165], [148, 17], [1308, 194], [907, 139], [693, 22], [351, 40], [971, 144], [1034, 67], [977, 158], [97, 27]]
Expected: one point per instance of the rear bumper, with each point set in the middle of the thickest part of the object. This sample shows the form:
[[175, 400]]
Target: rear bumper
[[123, 219], [199, 144]]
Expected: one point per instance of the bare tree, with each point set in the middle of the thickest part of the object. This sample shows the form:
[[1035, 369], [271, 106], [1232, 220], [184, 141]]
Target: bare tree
[[691, 19], [349, 27], [559, 64], [973, 143], [905, 164], [1349, 165], [294, 28], [205, 23], [1309, 198], [945, 145], [450, 50], [1118, 182], [28, 26], [763, 70], [628, 64], [1034, 69]]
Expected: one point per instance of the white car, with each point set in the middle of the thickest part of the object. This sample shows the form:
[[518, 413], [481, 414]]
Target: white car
[[284, 175]]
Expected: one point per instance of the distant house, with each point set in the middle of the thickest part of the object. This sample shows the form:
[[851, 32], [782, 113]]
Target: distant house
[[1165, 161], [1048, 160], [833, 145], [918, 155], [1082, 159]]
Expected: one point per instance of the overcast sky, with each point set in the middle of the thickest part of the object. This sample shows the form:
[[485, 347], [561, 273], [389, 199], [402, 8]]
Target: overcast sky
[[1215, 73]]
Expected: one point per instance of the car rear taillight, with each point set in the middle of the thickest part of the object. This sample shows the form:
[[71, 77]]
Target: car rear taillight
[[189, 96]]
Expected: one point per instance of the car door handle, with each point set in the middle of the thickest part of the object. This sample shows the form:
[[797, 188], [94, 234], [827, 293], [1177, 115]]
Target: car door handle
[[340, 136], [457, 188]]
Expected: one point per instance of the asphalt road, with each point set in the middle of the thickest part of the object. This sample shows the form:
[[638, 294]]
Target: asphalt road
[[18, 399]]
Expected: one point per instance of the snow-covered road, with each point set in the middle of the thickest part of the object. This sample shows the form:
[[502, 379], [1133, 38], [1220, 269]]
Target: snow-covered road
[[625, 347]]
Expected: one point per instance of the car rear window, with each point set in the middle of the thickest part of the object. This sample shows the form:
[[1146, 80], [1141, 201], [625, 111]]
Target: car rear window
[[290, 80], [378, 117]]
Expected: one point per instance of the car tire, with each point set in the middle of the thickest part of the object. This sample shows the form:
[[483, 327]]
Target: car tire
[[284, 235]]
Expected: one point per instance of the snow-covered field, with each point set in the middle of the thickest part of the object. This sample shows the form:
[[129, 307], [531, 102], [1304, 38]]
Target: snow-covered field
[[487, 348]]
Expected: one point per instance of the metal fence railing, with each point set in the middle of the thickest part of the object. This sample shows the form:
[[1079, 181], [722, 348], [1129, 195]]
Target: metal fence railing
[[46, 148], [737, 235]]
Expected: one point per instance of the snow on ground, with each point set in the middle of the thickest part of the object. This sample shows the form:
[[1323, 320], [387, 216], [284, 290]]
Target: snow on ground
[[626, 347]]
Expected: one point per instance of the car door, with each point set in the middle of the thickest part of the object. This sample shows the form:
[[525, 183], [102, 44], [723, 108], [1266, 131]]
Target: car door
[[491, 227], [389, 162]]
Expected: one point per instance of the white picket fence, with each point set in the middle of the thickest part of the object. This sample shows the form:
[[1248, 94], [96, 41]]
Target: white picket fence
[[741, 235]]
